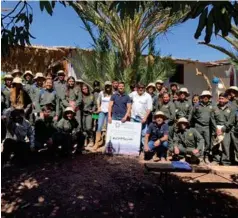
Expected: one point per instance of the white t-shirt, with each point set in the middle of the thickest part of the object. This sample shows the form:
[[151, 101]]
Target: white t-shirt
[[104, 101], [140, 104]]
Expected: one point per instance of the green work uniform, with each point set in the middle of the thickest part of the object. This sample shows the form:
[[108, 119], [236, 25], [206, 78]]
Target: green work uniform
[[6, 94], [224, 116], [68, 134], [169, 110], [234, 138], [183, 108], [187, 141], [28, 87], [202, 118], [35, 92], [89, 106], [73, 95], [60, 88], [48, 96]]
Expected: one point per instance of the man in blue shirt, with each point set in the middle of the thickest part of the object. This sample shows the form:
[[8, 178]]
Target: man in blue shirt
[[119, 105], [156, 138]]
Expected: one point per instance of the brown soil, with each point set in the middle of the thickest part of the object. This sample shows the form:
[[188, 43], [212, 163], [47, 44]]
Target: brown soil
[[93, 185]]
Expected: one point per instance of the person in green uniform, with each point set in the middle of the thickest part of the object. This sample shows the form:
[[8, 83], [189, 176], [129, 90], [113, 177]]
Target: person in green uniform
[[233, 95], [195, 99], [36, 88], [89, 106], [16, 73], [28, 81], [159, 85], [96, 89], [234, 140], [45, 128], [78, 85], [187, 141], [48, 95], [224, 117], [183, 105], [60, 87], [173, 89], [168, 108], [6, 89], [72, 98], [202, 118], [68, 133]]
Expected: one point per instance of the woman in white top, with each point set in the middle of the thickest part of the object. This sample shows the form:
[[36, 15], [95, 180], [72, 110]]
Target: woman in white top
[[103, 103]]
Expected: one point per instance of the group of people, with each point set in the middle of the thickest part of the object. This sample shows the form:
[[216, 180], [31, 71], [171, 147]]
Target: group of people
[[42, 111]]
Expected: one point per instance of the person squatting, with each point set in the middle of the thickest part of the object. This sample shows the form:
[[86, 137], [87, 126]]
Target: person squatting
[[57, 113]]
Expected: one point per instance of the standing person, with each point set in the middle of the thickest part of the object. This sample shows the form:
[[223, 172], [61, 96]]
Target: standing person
[[120, 105], [224, 117], [89, 106], [28, 81], [156, 138], [234, 139], [18, 130], [37, 87], [6, 89], [159, 84], [72, 98], [173, 89], [195, 99], [19, 99], [141, 109], [48, 96], [187, 141], [16, 73], [60, 87], [233, 95], [202, 118], [168, 108], [103, 104], [183, 106], [96, 89], [115, 85], [78, 85], [151, 88]]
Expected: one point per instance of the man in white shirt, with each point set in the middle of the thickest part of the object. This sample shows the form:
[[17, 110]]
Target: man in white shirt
[[141, 108]]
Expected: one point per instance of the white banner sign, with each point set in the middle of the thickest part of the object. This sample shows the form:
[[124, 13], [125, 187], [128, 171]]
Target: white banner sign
[[125, 137]]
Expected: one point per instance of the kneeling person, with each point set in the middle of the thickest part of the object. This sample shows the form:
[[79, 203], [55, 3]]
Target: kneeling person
[[156, 138], [19, 138], [187, 141], [69, 132]]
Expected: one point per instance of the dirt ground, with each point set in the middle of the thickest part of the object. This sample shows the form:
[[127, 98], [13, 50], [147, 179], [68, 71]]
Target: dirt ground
[[93, 185]]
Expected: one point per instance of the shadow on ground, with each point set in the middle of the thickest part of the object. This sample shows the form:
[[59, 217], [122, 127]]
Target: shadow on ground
[[100, 186]]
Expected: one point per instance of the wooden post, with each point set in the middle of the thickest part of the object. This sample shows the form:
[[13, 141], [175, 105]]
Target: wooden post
[[198, 73]]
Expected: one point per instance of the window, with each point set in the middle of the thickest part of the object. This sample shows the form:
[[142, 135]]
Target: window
[[178, 77]]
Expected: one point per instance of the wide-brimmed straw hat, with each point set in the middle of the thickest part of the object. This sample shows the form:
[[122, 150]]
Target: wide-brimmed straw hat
[[108, 83], [234, 88], [17, 80], [160, 114], [151, 85], [39, 75], [182, 120], [69, 109], [185, 90], [8, 76], [28, 72], [159, 81], [206, 93], [15, 71], [79, 81], [60, 72]]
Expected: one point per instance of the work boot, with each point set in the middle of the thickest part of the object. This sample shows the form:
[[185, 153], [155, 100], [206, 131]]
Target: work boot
[[98, 140]]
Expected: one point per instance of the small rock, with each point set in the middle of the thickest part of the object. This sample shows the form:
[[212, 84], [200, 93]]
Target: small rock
[[80, 197]]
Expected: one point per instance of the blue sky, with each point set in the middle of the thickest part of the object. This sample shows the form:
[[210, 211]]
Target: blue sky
[[65, 28]]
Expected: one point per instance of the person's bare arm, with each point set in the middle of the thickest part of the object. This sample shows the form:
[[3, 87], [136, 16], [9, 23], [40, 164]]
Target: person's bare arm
[[163, 139], [128, 112], [146, 147]]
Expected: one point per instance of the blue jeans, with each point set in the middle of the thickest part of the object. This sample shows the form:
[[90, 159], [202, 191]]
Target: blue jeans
[[143, 129], [116, 117], [101, 119], [161, 149]]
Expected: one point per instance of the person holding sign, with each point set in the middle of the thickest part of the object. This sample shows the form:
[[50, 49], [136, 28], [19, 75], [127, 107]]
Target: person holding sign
[[141, 108], [119, 105], [156, 138]]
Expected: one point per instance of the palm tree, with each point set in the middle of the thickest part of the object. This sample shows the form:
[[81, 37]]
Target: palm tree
[[129, 35], [232, 40]]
